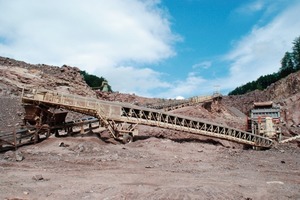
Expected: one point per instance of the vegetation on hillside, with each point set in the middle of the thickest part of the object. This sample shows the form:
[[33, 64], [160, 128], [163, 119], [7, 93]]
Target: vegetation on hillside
[[94, 81], [290, 63]]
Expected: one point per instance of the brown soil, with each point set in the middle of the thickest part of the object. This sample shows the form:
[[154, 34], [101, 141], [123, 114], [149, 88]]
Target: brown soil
[[149, 168]]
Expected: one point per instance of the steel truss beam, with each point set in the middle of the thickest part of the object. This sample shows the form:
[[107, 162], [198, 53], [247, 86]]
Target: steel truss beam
[[191, 125]]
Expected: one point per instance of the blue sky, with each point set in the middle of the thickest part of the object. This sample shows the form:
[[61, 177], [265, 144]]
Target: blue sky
[[154, 48]]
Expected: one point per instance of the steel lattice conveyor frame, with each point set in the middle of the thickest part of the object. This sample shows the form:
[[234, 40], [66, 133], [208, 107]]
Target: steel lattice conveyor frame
[[175, 104], [113, 113]]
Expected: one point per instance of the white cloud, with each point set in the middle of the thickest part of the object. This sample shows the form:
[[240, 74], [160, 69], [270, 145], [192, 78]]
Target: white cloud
[[179, 98], [97, 35], [259, 52], [193, 84], [143, 81], [204, 65], [251, 7]]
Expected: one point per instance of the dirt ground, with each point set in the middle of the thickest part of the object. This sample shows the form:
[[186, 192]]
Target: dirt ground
[[149, 168]]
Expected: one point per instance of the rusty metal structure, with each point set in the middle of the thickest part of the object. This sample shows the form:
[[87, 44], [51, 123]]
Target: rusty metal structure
[[122, 119], [30, 134], [264, 120]]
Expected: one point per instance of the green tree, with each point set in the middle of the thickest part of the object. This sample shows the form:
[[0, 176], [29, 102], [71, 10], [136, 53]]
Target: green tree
[[296, 53], [94, 81], [287, 65]]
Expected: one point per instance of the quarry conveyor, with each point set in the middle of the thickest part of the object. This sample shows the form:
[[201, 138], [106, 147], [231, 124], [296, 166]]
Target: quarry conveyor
[[121, 119]]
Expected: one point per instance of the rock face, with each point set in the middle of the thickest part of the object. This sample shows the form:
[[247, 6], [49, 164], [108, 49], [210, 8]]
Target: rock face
[[16, 75], [11, 113], [284, 88]]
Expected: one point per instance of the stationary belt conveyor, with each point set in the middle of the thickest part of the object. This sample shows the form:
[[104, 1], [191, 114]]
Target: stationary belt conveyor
[[121, 119]]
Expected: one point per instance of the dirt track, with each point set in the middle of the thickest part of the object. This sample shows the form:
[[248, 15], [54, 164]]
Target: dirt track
[[151, 168]]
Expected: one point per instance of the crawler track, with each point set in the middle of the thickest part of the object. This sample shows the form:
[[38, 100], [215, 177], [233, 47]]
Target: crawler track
[[113, 115]]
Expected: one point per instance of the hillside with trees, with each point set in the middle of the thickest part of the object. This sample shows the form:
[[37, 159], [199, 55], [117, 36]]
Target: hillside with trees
[[94, 81], [290, 63]]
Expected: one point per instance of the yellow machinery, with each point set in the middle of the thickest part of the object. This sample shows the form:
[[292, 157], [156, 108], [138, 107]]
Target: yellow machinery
[[264, 120]]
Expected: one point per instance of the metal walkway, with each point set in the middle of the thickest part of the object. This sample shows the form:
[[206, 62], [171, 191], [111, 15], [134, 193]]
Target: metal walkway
[[168, 105], [121, 118]]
